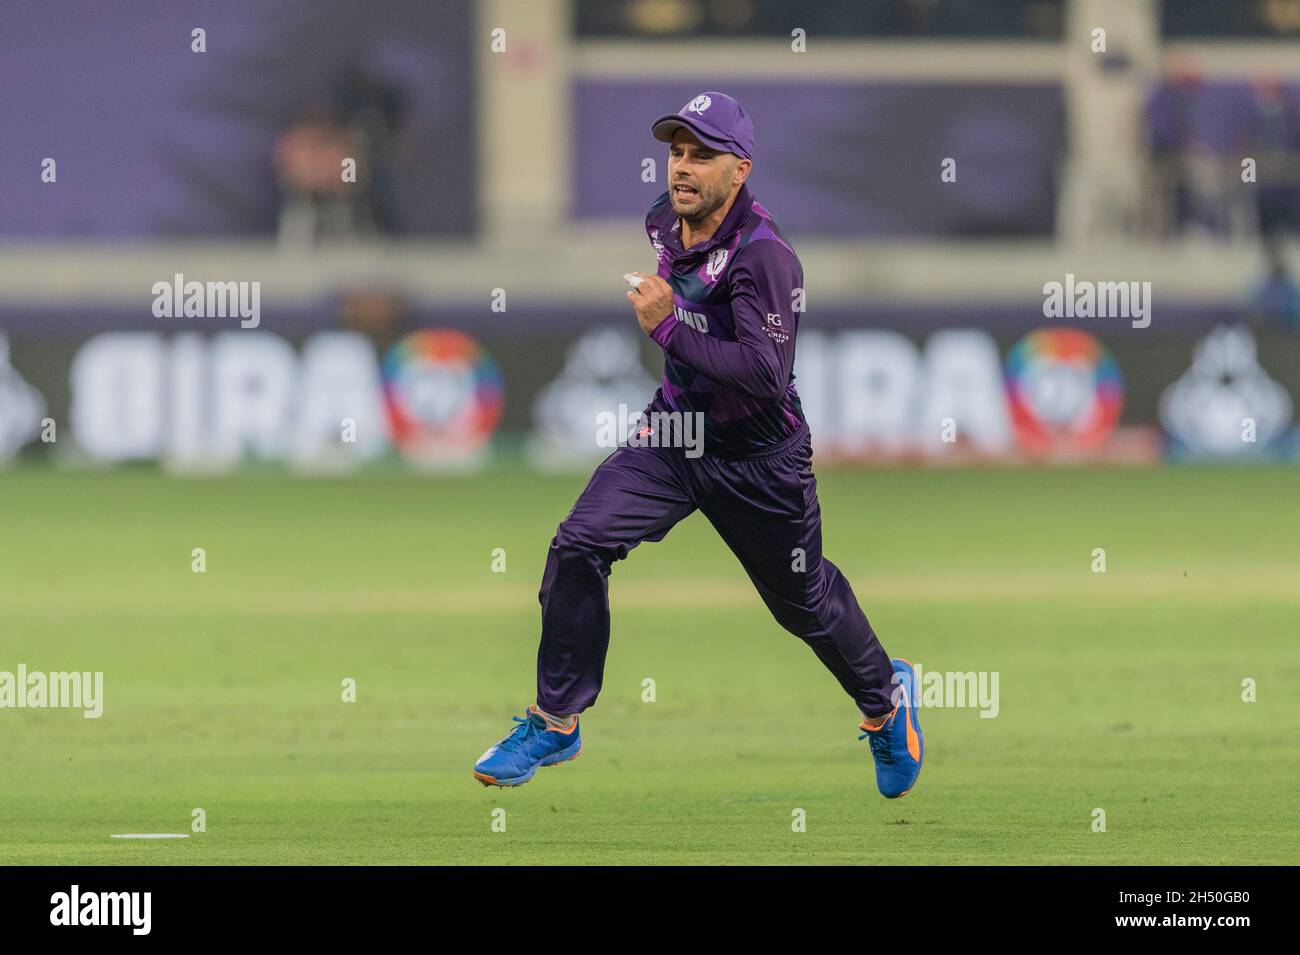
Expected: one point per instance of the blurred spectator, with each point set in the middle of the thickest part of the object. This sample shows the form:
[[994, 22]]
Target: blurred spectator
[[1276, 300], [1188, 192], [1200, 133], [315, 200], [378, 314], [1277, 153], [375, 113]]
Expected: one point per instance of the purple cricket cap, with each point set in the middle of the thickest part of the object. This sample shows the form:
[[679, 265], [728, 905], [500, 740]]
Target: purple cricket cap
[[716, 119]]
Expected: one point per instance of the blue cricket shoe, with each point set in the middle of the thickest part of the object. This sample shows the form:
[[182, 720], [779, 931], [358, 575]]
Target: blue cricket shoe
[[896, 745], [513, 761]]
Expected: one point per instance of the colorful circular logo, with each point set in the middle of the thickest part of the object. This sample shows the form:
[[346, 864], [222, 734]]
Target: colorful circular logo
[[443, 394], [1065, 391]]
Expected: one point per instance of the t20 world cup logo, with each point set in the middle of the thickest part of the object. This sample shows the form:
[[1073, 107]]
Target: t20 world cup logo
[[1064, 391], [443, 395]]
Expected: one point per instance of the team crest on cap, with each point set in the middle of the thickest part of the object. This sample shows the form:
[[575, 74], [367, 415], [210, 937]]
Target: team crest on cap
[[698, 105], [717, 259]]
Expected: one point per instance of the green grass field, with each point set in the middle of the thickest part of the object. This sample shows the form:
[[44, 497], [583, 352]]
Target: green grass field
[[1119, 691]]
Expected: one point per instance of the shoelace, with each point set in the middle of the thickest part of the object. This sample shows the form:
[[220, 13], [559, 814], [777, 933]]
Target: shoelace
[[519, 735], [879, 744]]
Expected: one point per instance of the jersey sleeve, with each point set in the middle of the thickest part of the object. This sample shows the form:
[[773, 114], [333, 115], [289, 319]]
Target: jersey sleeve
[[762, 279]]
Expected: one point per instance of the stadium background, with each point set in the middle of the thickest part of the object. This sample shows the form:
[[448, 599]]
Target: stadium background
[[461, 305]]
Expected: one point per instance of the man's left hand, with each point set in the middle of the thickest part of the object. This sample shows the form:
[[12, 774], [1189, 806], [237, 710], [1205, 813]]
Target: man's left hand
[[653, 300]]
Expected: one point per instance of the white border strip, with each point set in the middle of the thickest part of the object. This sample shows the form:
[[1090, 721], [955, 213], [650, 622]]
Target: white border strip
[[894, 60], [150, 835]]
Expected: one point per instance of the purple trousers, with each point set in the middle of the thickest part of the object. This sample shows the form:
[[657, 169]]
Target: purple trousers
[[766, 511]]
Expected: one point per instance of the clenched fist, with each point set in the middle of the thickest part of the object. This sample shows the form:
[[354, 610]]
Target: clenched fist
[[653, 300]]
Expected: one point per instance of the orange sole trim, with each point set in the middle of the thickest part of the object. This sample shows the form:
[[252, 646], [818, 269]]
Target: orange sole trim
[[563, 761]]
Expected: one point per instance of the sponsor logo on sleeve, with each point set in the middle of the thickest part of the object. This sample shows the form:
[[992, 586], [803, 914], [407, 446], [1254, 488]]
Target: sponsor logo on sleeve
[[775, 330]]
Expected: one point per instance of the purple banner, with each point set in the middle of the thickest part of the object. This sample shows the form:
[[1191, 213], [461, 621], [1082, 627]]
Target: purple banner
[[846, 158], [151, 135]]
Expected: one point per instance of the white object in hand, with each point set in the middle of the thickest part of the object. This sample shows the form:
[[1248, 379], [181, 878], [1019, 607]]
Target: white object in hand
[[633, 280]]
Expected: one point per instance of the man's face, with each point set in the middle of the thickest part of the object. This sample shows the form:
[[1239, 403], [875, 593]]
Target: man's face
[[699, 178]]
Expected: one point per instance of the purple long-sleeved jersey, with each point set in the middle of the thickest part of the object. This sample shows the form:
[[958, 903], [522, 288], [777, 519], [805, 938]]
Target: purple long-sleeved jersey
[[729, 347]]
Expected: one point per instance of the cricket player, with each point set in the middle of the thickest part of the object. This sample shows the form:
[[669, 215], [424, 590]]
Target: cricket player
[[724, 307]]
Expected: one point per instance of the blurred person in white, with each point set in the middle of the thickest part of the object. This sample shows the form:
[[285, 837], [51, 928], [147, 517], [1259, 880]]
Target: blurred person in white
[[1189, 188], [316, 200]]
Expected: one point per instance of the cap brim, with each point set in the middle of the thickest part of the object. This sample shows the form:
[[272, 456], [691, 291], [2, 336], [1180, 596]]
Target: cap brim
[[664, 127]]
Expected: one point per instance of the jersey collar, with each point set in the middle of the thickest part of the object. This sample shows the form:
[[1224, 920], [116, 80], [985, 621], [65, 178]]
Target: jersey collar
[[730, 225]]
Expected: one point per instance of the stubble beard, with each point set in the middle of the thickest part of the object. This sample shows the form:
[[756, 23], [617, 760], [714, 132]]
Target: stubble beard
[[711, 201]]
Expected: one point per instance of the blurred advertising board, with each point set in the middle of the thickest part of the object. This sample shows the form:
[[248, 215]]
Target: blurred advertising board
[[447, 392]]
